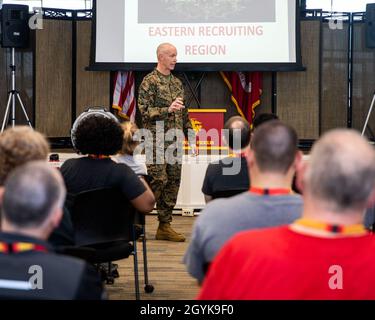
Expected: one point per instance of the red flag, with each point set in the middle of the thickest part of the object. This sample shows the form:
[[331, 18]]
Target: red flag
[[246, 89], [123, 95]]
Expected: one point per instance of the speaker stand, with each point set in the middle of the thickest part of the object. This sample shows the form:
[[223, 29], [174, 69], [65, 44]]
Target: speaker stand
[[368, 114], [12, 95]]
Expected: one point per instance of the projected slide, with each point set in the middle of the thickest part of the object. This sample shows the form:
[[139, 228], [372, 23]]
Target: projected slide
[[212, 32], [206, 11]]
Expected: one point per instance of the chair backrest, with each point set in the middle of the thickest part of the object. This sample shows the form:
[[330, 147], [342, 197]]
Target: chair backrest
[[101, 216]]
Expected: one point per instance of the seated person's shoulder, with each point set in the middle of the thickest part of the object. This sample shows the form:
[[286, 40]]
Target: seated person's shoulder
[[228, 161], [69, 162], [214, 166], [123, 168], [222, 206]]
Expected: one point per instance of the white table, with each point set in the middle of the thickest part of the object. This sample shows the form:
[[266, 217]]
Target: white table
[[190, 196]]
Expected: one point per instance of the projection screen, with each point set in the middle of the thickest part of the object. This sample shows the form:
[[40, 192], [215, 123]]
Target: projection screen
[[210, 35]]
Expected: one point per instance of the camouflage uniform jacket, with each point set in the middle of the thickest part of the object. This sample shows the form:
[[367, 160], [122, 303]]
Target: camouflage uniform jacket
[[156, 94]]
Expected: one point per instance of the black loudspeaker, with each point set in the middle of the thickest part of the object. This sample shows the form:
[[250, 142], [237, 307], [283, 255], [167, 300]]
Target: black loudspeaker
[[15, 26], [370, 25]]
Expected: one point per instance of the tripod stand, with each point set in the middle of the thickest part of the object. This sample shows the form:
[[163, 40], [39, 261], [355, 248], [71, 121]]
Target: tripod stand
[[13, 93], [368, 114]]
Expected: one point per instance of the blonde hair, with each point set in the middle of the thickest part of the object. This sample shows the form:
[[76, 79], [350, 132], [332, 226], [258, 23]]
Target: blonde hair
[[18, 146], [128, 144]]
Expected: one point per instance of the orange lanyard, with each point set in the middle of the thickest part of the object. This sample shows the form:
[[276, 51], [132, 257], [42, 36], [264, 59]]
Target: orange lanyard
[[354, 229], [270, 192]]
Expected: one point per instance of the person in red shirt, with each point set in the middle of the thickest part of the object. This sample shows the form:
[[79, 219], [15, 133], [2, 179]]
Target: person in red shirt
[[327, 254]]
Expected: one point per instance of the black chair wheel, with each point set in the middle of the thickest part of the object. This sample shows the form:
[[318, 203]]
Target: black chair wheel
[[149, 288], [115, 274]]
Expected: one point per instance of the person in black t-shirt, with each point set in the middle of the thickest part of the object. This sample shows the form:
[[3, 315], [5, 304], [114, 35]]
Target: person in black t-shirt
[[99, 135], [229, 176]]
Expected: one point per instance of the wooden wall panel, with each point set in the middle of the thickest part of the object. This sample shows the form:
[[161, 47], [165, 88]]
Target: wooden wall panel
[[266, 97], [298, 93], [53, 76], [334, 77], [92, 88]]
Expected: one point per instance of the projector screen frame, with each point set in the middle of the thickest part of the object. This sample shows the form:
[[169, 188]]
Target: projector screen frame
[[206, 67]]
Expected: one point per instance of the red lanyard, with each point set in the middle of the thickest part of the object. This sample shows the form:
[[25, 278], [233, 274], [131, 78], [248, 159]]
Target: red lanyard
[[98, 156], [17, 247], [270, 192]]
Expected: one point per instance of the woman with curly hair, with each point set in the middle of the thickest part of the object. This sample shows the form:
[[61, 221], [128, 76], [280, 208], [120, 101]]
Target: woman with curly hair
[[99, 135]]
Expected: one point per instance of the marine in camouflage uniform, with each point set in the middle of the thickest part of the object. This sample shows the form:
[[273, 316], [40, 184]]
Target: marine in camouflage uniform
[[156, 94]]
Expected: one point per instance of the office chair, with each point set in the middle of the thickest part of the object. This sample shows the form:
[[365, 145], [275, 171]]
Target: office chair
[[103, 220]]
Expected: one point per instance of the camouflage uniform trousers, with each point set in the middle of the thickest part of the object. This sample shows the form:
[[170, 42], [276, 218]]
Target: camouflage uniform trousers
[[164, 180]]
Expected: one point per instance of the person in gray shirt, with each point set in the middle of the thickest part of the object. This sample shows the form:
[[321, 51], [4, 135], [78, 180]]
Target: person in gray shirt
[[272, 160]]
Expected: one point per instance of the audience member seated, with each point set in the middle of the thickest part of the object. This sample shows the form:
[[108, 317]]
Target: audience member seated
[[271, 161], [18, 146], [229, 176], [99, 135], [263, 117], [328, 254], [216, 184], [126, 154], [32, 207]]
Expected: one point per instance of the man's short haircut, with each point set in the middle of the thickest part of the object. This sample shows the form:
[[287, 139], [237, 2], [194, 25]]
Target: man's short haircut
[[341, 170], [262, 118], [19, 145], [32, 192], [98, 135], [275, 146], [239, 125], [162, 48]]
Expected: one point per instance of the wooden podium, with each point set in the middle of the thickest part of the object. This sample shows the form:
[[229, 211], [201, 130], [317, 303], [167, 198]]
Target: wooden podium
[[207, 124]]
